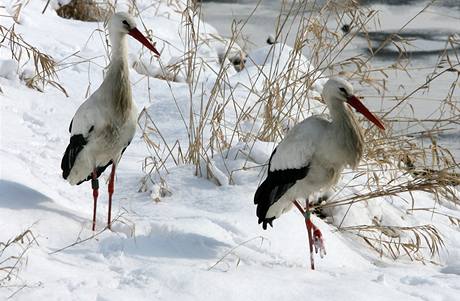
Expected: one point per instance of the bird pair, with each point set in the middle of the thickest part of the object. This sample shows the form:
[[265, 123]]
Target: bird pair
[[309, 159]]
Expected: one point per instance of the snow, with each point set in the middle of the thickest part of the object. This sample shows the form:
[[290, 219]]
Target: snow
[[183, 236], [8, 69]]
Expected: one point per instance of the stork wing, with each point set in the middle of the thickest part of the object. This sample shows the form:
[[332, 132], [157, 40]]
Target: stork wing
[[84, 122], [90, 115], [76, 144], [289, 162], [299, 145], [274, 187]]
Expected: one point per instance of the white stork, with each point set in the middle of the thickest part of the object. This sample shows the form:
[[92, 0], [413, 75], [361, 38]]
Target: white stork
[[104, 124], [313, 154]]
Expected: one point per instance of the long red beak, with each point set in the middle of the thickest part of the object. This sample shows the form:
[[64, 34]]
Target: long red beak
[[358, 105], [135, 33]]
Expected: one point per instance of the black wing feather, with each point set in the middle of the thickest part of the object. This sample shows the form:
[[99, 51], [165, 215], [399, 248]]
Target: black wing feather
[[274, 187], [77, 143]]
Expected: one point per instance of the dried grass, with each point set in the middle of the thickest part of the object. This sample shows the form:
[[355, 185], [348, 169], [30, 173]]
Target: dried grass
[[23, 52], [13, 255], [400, 242], [16, 7]]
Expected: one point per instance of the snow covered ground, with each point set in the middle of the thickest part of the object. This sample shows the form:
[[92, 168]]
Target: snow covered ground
[[199, 242]]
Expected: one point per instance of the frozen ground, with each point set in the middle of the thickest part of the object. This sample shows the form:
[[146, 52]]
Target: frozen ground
[[164, 250]]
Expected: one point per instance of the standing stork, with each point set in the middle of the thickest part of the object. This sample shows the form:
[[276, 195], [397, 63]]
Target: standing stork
[[104, 124], [312, 156]]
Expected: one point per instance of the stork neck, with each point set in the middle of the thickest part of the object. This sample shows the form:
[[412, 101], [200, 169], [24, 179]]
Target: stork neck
[[116, 82], [119, 57], [340, 114], [348, 132], [119, 44]]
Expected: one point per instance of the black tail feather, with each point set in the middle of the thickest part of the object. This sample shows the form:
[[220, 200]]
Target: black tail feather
[[77, 143], [274, 187], [266, 195]]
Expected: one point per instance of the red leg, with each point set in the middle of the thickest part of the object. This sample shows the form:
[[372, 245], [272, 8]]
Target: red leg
[[315, 237], [95, 186], [308, 224], [111, 189]]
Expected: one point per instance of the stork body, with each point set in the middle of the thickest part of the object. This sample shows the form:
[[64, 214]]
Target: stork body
[[105, 123], [313, 154]]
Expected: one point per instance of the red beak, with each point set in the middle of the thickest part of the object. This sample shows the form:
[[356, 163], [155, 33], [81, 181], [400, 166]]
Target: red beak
[[358, 105], [135, 33]]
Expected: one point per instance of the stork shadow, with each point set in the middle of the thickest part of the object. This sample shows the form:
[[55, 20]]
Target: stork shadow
[[169, 243], [16, 196]]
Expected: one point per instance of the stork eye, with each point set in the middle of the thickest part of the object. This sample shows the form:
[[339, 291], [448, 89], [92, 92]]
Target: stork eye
[[125, 22], [343, 90]]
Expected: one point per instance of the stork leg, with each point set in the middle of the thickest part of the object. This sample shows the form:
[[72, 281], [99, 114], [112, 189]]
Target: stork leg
[[95, 186], [315, 237], [111, 190]]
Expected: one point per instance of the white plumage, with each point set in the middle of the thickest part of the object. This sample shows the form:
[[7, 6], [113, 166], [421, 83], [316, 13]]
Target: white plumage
[[313, 154], [107, 133], [105, 123]]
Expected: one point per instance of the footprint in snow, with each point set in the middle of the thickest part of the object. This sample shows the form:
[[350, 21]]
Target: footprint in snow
[[164, 242], [415, 281]]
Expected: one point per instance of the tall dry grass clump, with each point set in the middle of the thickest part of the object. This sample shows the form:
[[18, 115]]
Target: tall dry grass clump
[[13, 255], [23, 52]]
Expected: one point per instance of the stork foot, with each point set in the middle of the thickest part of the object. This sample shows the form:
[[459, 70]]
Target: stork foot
[[315, 237], [318, 241], [317, 210]]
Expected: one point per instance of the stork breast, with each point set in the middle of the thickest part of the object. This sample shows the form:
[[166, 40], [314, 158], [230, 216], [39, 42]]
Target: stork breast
[[323, 175]]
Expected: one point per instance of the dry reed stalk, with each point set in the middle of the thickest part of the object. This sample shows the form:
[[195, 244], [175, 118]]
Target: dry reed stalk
[[13, 255], [22, 52], [15, 8], [400, 241]]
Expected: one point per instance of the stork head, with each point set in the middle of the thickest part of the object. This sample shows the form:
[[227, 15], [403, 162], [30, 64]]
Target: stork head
[[122, 23], [337, 91]]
